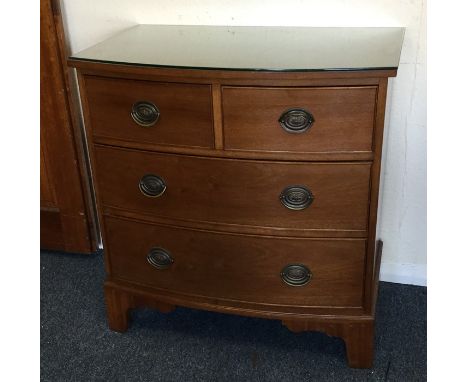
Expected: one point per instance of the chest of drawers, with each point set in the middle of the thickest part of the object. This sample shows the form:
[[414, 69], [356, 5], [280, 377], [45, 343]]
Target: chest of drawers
[[233, 181]]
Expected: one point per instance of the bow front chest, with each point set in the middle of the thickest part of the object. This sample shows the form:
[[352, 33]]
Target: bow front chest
[[237, 170]]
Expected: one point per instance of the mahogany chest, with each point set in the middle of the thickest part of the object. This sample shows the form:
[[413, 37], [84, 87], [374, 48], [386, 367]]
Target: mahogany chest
[[237, 170]]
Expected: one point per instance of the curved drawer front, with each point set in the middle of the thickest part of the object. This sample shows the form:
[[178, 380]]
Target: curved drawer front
[[245, 268], [293, 195], [336, 119], [150, 112]]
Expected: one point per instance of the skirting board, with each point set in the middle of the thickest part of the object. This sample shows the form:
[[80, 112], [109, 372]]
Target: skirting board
[[413, 274]]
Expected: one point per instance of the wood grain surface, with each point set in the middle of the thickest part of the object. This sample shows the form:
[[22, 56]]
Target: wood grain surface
[[236, 191], [246, 268], [185, 111], [66, 222], [344, 118], [225, 160]]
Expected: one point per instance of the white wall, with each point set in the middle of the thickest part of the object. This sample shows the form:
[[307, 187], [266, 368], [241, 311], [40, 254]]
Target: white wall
[[402, 215]]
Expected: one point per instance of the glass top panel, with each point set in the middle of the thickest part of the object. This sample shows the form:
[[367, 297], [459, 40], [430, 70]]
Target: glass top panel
[[252, 48]]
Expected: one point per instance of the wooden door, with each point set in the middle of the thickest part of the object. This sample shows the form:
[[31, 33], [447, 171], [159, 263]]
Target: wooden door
[[67, 222]]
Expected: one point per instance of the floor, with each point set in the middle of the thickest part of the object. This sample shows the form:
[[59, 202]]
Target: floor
[[190, 345]]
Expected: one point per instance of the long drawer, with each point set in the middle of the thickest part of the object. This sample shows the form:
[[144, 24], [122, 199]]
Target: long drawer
[[329, 119], [295, 195], [150, 112], [301, 272]]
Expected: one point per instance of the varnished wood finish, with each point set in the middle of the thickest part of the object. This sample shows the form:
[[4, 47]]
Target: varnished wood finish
[[375, 280], [119, 303], [358, 337], [356, 331], [329, 156], [236, 191], [185, 119], [221, 219], [238, 267], [65, 220], [51, 228], [119, 70], [374, 197], [48, 198], [231, 228], [344, 118], [218, 116], [82, 154]]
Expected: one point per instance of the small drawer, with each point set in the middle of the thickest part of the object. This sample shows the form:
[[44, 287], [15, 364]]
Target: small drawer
[[265, 270], [150, 112], [284, 195], [319, 120]]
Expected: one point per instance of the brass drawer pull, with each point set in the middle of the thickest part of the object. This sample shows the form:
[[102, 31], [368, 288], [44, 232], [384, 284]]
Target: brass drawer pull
[[145, 113], [152, 186], [296, 197], [296, 120], [296, 274], [159, 258]]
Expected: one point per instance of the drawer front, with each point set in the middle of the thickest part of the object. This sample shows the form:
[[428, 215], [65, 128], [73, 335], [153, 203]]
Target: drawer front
[[243, 192], [247, 268], [150, 112], [299, 119]]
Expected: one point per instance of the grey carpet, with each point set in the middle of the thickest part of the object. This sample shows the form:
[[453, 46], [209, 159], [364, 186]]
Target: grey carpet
[[190, 345]]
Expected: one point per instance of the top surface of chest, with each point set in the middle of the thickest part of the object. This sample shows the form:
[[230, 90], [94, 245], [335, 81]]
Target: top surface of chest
[[251, 48]]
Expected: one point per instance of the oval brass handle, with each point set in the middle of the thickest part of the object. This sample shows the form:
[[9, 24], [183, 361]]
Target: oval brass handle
[[296, 197], [159, 258], [296, 274], [152, 186], [145, 113], [296, 120]]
